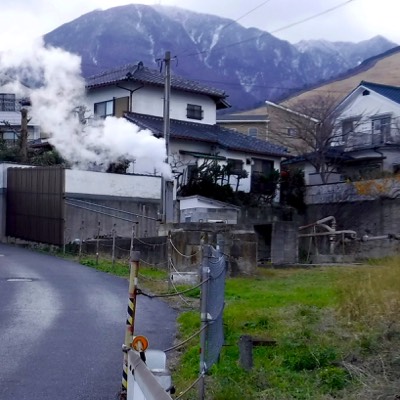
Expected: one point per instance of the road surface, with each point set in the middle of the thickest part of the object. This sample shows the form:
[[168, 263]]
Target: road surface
[[62, 326]]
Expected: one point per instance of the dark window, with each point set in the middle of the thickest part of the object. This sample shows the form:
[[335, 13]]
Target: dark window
[[260, 170], [253, 132], [7, 102], [292, 132], [104, 109], [235, 165], [347, 129], [194, 112]]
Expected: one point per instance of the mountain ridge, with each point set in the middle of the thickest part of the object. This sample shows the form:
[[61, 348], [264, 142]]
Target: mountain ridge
[[248, 64]]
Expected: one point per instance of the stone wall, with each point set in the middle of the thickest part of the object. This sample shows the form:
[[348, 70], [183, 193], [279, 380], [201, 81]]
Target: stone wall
[[370, 208]]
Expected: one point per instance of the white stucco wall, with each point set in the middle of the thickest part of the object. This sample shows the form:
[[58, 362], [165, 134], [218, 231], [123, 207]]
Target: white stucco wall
[[150, 100], [244, 184], [102, 184], [365, 108]]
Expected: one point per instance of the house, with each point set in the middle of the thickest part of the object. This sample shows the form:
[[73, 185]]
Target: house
[[136, 93], [248, 124], [364, 139], [10, 118], [272, 122], [367, 131]]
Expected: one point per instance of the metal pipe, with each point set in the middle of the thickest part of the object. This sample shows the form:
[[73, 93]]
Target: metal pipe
[[353, 234], [150, 387]]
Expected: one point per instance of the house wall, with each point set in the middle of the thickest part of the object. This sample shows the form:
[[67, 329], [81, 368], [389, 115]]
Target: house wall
[[244, 184], [101, 184], [14, 119], [363, 109], [209, 214], [279, 123], [243, 127], [150, 100]]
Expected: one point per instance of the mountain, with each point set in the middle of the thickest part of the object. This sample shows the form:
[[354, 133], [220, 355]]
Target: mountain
[[382, 68], [249, 64]]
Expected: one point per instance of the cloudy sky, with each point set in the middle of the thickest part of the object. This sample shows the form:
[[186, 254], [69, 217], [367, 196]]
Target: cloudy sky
[[356, 20]]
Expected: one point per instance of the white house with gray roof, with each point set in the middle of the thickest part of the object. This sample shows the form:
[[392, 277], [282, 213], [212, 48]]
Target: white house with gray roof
[[136, 93], [367, 129]]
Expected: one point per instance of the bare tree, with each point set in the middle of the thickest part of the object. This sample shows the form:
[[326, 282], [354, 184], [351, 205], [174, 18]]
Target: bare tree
[[307, 129]]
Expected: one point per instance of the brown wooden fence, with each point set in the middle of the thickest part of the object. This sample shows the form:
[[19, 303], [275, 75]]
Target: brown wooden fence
[[35, 205]]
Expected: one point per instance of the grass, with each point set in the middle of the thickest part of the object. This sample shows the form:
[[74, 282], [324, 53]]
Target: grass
[[337, 333], [333, 326]]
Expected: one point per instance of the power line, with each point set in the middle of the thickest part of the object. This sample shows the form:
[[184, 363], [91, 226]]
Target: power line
[[274, 31], [236, 20], [313, 16]]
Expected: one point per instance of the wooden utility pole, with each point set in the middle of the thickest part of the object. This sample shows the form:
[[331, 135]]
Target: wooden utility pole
[[167, 96], [167, 186]]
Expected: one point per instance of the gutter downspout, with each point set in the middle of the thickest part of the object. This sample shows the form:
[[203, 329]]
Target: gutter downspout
[[131, 91]]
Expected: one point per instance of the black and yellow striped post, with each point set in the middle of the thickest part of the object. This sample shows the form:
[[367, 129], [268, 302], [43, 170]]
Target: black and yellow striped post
[[130, 320]]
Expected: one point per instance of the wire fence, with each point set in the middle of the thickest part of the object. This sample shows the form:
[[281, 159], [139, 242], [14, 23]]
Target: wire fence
[[211, 262]]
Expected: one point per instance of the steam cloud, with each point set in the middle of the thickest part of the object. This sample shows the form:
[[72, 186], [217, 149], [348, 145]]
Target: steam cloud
[[51, 78]]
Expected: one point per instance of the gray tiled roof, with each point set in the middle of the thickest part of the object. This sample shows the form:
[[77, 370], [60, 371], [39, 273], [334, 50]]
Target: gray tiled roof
[[213, 134], [141, 74], [241, 117], [390, 92]]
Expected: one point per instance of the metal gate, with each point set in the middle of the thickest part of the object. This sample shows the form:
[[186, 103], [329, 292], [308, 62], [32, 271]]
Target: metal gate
[[35, 205]]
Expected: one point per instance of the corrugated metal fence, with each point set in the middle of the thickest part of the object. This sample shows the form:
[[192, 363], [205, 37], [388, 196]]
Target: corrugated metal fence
[[35, 206]]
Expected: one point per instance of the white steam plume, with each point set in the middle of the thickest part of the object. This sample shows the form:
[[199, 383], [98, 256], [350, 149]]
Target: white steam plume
[[57, 89]]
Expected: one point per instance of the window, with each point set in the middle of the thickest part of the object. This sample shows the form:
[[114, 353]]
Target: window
[[292, 132], [347, 129], [7, 102], [253, 132], [381, 130], [194, 112], [235, 165], [104, 109]]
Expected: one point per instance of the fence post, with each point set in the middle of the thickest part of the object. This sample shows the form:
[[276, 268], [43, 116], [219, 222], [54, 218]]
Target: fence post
[[246, 352], [113, 245], [97, 243], [81, 239], [169, 260], [130, 320], [204, 276]]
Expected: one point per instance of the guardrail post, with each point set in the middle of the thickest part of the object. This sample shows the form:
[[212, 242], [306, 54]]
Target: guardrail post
[[130, 320]]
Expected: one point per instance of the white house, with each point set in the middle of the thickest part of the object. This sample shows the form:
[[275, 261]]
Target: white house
[[367, 130], [365, 142], [10, 118], [136, 93]]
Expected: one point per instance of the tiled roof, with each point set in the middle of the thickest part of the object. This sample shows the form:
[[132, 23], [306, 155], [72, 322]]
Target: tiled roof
[[390, 92], [141, 74], [241, 117], [213, 134]]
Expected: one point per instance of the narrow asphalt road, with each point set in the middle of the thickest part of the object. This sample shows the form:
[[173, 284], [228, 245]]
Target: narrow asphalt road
[[62, 326]]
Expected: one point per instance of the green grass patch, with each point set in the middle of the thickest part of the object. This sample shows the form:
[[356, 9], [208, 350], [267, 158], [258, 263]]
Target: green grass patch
[[330, 324]]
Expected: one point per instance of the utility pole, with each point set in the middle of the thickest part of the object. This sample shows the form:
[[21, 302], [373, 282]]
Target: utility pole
[[167, 185], [167, 96]]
